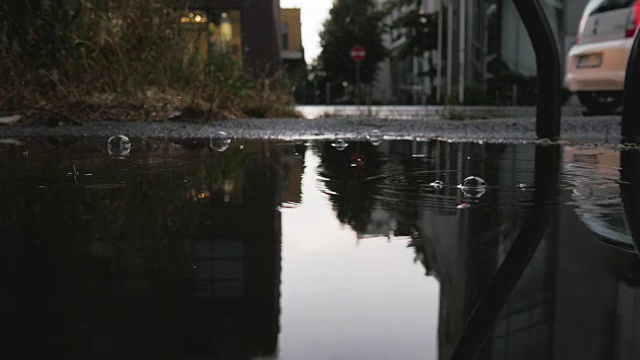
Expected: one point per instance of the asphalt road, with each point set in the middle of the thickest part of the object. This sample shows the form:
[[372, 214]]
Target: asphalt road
[[575, 129]]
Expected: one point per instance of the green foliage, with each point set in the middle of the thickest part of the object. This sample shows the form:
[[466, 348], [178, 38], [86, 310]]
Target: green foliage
[[475, 94], [352, 22], [136, 53], [419, 28]]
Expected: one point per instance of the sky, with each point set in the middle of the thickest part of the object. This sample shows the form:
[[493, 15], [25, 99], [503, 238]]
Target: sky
[[313, 14]]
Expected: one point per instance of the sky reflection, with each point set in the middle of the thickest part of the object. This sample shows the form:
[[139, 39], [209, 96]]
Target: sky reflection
[[378, 303]]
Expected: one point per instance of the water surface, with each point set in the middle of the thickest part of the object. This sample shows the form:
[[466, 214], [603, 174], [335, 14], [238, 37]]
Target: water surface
[[298, 250]]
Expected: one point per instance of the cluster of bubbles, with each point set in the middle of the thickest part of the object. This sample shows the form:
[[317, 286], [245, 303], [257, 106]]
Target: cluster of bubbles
[[472, 187], [119, 145], [375, 138], [220, 141]]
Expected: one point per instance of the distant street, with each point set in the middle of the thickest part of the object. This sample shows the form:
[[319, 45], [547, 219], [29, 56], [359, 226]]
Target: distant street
[[428, 112]]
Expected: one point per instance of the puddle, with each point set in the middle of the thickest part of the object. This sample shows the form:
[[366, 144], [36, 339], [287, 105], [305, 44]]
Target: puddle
[[320, 250]]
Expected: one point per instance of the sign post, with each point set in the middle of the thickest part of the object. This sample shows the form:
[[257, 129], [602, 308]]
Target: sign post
[[358, 53]]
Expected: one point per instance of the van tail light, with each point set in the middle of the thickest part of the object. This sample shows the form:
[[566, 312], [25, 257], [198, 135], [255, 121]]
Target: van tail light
[[634, 21]]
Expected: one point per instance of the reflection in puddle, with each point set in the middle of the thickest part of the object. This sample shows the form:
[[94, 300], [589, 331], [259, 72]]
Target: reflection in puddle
[[299, 251]]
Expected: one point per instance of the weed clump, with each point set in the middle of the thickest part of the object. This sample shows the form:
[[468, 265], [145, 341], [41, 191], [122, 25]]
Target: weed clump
[[134, 60]]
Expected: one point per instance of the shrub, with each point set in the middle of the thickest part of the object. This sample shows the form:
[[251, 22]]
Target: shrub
[[136, 57]]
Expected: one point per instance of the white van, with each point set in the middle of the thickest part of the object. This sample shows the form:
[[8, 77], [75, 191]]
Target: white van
[[597, 63]]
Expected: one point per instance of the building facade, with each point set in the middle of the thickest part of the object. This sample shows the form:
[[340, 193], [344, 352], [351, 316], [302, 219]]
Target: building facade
[[295, 67], [291, 35], [483, 50], [249, 29]]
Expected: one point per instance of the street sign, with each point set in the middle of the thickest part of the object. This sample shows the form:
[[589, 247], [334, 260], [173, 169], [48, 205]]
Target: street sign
[[358, 53]]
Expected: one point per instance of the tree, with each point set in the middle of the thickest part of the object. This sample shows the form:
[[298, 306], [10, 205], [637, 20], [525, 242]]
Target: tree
[[420, 30], [352, 22]]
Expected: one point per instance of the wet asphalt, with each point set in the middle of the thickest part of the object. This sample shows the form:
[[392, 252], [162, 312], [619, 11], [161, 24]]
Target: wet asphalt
[[595, 130]]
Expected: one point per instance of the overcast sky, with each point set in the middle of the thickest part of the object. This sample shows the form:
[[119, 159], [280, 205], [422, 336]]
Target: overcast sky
[[313, 14]]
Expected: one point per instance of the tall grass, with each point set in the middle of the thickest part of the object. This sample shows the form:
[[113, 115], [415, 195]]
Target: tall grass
[[133, 60]]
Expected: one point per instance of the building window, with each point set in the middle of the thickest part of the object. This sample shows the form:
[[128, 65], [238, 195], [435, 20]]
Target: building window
[[285, 36]]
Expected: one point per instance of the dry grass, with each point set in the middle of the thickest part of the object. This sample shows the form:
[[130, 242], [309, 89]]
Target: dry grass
[[131, 62]]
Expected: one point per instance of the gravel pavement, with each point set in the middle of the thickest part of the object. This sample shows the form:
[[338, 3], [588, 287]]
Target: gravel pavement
[[592, 130]]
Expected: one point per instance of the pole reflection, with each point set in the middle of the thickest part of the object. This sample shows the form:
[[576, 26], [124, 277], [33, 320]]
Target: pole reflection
[[521, 276], [482, 320]]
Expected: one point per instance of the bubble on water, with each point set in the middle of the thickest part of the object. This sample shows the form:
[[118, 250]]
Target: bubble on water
[[340, 144], [473, 187], [220, 141], [375, 137], [473, 182], [475, 193], [437, 184], [119, 145]]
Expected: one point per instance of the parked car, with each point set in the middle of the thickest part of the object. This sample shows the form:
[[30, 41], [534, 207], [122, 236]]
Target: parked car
[[597, 63]]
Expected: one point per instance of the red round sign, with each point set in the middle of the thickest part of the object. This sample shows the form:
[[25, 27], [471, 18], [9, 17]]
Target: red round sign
[[358, 53]]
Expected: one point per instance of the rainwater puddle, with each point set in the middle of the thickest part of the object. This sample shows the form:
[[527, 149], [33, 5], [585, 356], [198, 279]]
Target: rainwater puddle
[[278, 250]]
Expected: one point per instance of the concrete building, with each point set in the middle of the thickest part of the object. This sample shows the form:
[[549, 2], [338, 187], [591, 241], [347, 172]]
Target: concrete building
[[491, 46], [482, 44], [249, 29], [295, 66], [403, 80], [291, 33]]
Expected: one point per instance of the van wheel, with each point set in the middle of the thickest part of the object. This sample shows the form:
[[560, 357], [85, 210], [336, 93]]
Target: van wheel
[[601, 101]]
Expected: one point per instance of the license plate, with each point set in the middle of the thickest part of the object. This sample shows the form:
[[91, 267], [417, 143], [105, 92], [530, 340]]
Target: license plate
[[589, 61]]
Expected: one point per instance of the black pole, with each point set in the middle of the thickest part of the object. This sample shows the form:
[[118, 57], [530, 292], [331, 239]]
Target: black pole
[[631, 110], [548, 63], [483, 318], [357, 82], [630, 192]]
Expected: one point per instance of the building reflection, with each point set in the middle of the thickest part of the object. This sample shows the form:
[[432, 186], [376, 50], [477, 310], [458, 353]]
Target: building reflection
[[578, 296], [183, 262]]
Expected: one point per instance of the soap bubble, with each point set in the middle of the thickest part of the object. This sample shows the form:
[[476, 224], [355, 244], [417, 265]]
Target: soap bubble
[[119, 145], [473, 187], [220, 141], [473, 182], [340, 144], [375, 137], [475, 193]]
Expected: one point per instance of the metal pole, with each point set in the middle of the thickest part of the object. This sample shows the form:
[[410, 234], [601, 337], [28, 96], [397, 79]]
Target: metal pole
[[358, 82], [327, 93], [631, 110], [548, 63], [449, 47], [630, 192], [440, 57], [462, 39]]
